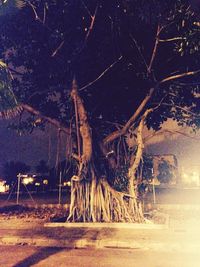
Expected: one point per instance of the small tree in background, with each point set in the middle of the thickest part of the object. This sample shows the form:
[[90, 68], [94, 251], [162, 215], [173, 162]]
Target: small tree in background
[[12, 169], [165, 172], [42, 167]]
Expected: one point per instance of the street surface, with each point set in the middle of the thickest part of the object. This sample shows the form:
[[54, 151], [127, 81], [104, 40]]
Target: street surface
[[25, 256]]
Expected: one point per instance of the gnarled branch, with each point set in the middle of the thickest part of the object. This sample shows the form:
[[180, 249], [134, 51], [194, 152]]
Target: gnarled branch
[[126, 127]]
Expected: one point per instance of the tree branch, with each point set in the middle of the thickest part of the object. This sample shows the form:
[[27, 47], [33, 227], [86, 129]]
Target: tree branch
[[139, 50], [86, 8], [101, 75], [142, 105], [93, 18], [155, 48], [171, 39], [54, 122], [162, 132], [85, 131], [57, 49], [140, 146], [181, 108], [178, 76], [129, 123]]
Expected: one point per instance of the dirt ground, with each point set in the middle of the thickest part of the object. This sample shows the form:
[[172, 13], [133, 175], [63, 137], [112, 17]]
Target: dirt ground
[[28, 214]]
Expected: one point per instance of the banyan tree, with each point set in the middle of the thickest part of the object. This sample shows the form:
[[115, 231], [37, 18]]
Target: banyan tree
[[100, 73]]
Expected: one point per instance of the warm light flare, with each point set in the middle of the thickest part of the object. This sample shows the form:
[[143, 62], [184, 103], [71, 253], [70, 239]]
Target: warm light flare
[[28, 180]]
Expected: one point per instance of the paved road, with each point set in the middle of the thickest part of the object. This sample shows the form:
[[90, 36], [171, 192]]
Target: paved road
[[23, 256]]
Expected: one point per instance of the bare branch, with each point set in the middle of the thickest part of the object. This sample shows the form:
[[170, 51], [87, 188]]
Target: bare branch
[[162, 132], [154, 49], [129, 123], [35, 12], [37, 16], [15, 71], [171, 39], [44, 15], [101, 75], [57, 49], [86, 8], [181, 108], [93, 18], [139, 50], [178, 76]]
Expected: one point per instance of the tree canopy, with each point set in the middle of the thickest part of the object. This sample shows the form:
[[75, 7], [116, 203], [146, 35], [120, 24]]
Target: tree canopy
[[117, 51], [98, 70]]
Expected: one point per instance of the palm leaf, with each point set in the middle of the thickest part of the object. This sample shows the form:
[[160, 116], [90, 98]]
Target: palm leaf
[[20, 3], [9, 106], [11, 6], [8, 103]]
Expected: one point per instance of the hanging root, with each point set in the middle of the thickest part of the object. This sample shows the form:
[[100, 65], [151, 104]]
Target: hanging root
[[91, 202]]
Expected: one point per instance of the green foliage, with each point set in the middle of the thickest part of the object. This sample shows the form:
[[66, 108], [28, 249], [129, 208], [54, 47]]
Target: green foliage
[[165, 174], [8, 101], [51, 41], [26, 125]]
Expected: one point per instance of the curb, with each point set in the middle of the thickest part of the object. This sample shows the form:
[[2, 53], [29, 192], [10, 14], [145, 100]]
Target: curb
[[101, 244], [71, 244], [109, 225]]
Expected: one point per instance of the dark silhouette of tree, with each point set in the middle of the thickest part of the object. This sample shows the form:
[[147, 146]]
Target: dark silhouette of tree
[[11, 169], [165, 172], [42, 167]]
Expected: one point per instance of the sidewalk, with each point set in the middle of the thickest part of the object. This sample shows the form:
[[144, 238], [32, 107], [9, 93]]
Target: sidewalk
[[112, 235], [176, 231]]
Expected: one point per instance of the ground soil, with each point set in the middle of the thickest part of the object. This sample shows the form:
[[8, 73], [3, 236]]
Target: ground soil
[[45, 214]]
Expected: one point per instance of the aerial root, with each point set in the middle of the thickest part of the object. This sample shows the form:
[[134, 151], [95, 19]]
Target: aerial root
[[102, 203]]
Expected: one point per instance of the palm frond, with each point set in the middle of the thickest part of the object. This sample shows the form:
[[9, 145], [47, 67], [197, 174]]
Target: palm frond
[[11, 6], [9, 106], [20, 3]]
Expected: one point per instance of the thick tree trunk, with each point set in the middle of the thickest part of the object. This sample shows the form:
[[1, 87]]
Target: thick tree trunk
[[92, 198]]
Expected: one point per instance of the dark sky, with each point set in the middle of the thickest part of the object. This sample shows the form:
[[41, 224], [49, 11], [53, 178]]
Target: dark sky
[[29, 148], [32, 148]]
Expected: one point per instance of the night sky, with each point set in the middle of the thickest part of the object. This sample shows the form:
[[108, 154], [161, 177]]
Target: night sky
[[29, 148], [33, 148]]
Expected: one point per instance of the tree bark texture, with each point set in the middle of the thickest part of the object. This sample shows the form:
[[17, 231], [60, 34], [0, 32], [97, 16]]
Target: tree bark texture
[[92, 197]]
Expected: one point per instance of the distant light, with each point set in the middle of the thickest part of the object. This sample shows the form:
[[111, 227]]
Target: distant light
[[191, 178], [28, 180], [45, 181], [195, 178], [37, 184], [67, 183], [3, 187]]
